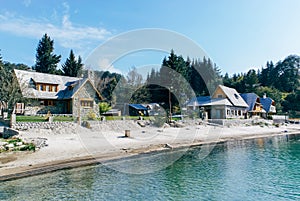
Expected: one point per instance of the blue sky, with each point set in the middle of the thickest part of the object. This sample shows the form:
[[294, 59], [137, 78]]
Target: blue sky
[[238, 35]]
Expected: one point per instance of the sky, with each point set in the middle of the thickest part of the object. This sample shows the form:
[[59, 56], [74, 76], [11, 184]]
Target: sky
[[237, 35]]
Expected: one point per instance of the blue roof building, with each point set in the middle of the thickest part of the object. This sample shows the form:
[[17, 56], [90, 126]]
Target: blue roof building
[[138, 110], [268, 104], [254, 103]]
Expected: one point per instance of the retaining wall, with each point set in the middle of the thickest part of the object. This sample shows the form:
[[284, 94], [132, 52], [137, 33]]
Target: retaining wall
[[41, 125]]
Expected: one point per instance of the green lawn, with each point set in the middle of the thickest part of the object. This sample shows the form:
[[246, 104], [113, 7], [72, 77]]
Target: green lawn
[[109, 118], [42, 119], [70, 119]]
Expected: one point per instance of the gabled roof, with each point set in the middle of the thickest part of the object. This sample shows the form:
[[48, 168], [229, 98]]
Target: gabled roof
[[208, 101], [250, 99], [218, 101], [266, 103], [67, 86], [233, 96], [199, 101]]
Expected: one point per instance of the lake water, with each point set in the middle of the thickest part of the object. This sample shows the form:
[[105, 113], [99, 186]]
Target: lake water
[[260, 169]]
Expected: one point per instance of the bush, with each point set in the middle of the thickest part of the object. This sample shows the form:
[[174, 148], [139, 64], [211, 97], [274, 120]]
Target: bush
[[104, 107], [86, 124], [28, 147], [91, 115]]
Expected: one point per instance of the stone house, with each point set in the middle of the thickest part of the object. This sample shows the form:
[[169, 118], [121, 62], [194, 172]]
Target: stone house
[[224, 103], [57, 94]]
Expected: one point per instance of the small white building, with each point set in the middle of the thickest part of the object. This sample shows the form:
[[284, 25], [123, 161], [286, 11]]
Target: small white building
[[224, 103]]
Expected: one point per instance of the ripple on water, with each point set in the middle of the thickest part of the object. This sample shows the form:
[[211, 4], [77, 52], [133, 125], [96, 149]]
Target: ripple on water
[[262, 169]]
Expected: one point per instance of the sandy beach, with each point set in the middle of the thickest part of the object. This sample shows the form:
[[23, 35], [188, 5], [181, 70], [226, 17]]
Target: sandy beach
[[80, 146]]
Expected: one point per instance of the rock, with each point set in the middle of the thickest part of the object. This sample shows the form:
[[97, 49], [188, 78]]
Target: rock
[[141, 123], [3, 143], [10, 145], [168, 146], [179, 125], [19, 143], [166, 125]]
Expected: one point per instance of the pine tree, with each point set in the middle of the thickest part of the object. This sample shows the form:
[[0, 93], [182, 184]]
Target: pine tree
[[10, 91], [46, 61], [72, 67]]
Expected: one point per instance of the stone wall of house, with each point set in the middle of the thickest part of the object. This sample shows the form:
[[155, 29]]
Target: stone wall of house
[[238, 122], [35, 109], [86, 92]]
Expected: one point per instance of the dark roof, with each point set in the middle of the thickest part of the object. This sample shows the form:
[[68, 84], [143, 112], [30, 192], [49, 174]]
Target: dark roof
[[199, 101], [207, 101], [67, 86], [250, 99], [138, 106], [266, 103]]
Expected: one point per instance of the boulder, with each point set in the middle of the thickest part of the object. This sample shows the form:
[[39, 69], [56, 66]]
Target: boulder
[[141, 123], [179, 125]]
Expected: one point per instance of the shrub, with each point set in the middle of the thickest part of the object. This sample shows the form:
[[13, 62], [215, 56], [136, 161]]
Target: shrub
[[91, 115], [104, 107], [86, 124]]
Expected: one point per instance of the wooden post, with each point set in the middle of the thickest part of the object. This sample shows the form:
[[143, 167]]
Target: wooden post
[[127, 133]]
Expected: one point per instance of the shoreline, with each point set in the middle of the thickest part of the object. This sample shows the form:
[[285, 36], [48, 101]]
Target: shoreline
[[19, 169]]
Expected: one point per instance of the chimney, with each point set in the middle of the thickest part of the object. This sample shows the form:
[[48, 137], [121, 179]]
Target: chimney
[[265, 95]]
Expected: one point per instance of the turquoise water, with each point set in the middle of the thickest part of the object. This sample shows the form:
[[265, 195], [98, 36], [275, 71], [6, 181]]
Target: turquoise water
[[261, 169]]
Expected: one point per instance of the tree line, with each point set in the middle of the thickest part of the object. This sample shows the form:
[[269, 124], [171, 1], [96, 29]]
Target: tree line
[[173, 84], [278, 81]]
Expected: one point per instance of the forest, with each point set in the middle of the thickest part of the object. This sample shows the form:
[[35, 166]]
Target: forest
[[178, 80]]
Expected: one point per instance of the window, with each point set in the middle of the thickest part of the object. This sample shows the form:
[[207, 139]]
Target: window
[[88, 103], [49, 102], [47, 87], [220, 96]]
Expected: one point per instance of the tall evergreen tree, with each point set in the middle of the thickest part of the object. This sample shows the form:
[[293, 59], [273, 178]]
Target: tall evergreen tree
[[9, 88], [287, 74], [46, 61], [251, 81], [72, 67]]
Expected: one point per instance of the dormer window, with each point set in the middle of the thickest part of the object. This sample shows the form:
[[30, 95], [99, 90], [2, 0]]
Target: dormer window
[[220, 96], [47, 87]]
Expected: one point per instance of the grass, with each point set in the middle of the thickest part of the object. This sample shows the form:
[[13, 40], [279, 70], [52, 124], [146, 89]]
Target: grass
[[110, 118], [62, 118], [42, 119], [30, 119]]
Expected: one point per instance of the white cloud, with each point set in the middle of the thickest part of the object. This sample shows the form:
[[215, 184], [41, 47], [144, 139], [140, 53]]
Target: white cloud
[[106, 65], [65, 34]]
